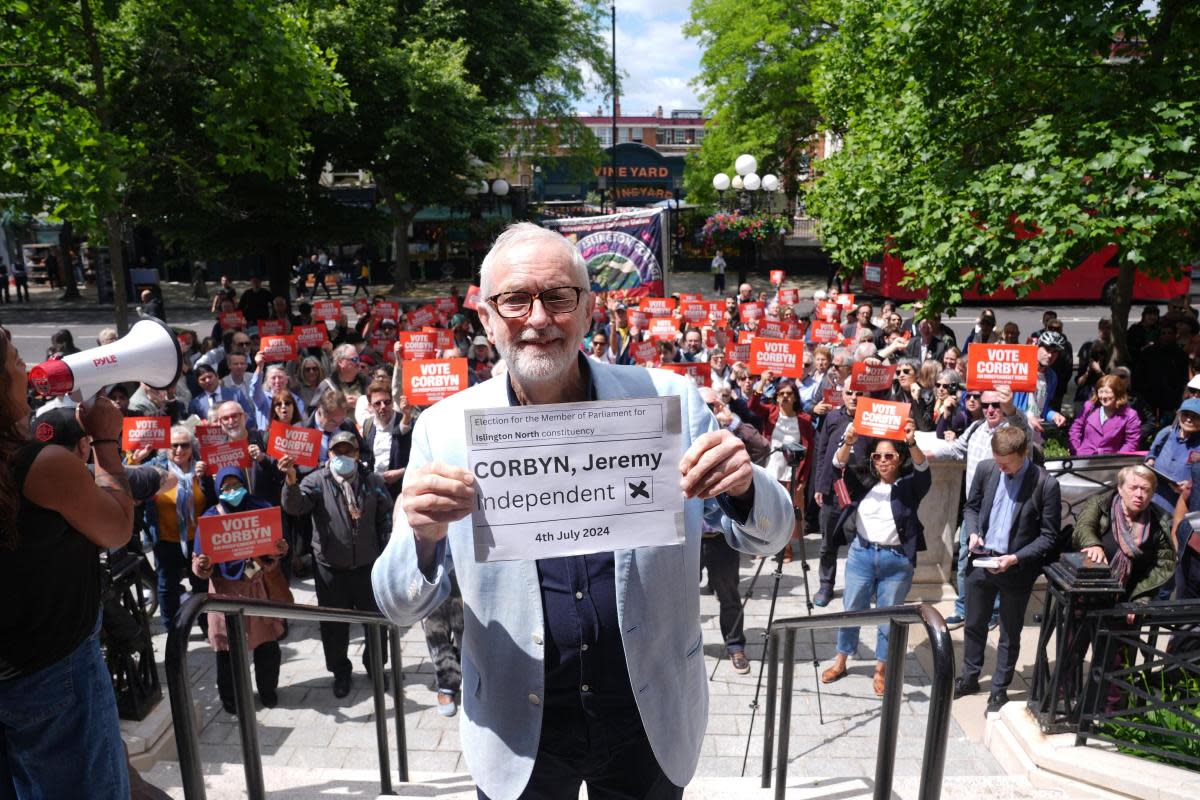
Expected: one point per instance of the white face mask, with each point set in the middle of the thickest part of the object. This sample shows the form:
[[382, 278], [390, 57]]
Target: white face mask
[[343, 466]]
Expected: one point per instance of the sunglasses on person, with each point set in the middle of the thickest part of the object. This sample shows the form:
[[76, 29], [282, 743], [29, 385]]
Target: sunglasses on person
[[600, 342], [381, 402], [180, 445], [312, 369], [974, 396], [886, 458], [905, 371], [853, 393], [785, 394], [949, 387], [283, 403], [990, 405]]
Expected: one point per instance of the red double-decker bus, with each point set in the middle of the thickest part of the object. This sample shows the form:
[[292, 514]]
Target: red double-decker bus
[[1093, 280]]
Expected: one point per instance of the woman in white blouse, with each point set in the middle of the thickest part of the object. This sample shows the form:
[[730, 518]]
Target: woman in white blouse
[[884, 533]]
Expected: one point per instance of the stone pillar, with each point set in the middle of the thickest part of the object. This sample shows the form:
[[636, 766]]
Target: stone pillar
[[939, 515]]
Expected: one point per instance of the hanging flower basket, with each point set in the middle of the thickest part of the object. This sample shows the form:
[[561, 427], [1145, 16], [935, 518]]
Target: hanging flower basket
[[734, 227]]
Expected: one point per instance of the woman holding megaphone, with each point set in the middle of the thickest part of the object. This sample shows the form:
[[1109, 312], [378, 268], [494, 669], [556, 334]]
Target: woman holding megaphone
[[58, 713]]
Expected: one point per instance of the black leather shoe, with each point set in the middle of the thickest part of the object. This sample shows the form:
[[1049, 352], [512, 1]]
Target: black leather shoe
[[996, 701], [269, 699], [823, 596], [341, 685], [229, 706], [965, 686]]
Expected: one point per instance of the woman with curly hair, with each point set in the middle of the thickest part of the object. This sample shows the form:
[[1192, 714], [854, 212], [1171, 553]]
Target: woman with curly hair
[[58, 713]]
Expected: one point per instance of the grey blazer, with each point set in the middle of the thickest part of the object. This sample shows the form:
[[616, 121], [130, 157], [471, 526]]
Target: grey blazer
[[503, 641]]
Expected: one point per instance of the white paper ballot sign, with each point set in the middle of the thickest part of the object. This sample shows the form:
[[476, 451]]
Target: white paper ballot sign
[[575, 478]]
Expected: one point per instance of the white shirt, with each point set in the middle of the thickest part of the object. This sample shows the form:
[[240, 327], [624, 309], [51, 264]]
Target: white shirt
[[718, 264], [874, 519]]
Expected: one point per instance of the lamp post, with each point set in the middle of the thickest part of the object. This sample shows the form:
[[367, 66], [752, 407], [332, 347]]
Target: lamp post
[[747, 183], [613, 150]]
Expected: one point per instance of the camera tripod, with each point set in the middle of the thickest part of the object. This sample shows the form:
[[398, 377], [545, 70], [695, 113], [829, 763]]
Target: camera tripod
[[794, 453]]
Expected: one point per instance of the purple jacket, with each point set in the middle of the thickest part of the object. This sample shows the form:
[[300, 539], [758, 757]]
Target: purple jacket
[[1119, 433]]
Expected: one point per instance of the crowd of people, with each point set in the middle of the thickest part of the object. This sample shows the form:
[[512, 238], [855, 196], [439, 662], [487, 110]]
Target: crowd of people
[[855, 491]]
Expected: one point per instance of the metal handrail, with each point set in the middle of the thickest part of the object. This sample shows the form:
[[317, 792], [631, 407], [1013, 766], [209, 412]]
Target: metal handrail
[[933, 762], [235, 608]]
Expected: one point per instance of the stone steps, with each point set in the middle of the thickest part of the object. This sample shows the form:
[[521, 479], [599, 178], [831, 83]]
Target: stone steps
[[227, 781]]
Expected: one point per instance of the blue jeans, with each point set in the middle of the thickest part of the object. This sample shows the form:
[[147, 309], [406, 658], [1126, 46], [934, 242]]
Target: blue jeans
[[172, 567], [960, 602], [59, 733], [881, 573]]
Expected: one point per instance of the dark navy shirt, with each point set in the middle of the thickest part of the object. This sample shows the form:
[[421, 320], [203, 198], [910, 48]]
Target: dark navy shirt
[[586, 674]]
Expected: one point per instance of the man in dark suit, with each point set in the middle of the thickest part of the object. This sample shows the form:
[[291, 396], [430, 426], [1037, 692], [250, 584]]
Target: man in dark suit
[[212, 394], [1013, 515], [862, 322], [925, 344]]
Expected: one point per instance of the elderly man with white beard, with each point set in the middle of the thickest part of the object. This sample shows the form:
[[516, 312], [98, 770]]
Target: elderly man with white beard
[[577, 668]]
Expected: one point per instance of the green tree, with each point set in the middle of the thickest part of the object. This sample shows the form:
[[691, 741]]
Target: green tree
[[967, 123], [436, 85], [108, 108], [756, 80]]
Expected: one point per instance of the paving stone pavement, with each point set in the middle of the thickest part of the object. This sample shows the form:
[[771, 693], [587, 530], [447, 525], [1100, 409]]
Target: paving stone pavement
[[313, 729]]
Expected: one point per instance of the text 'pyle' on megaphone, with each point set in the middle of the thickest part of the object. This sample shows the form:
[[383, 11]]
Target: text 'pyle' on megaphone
[[149, 353]]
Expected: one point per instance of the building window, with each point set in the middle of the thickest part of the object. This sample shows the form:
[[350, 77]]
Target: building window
[[604, 135]]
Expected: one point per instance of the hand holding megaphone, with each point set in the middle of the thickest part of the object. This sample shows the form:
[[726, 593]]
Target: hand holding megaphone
[[100, 419], [148, 354]]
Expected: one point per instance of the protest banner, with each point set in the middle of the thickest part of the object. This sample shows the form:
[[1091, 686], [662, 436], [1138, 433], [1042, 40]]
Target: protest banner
[[789, 296], [657, 306], [699, 372], [209, 435], [362, 306], [311, 335], [245, 534], [690, 297], [446, 305], [226, 454], [776, 277], [775, 329], [1012, 365], [745, 337], [575, 478], [827, 311], [780, 356], [384, 345], [738, 352], [663, 329], [748, 312], [872, 377], [302, 444], [699, 312], [881, 419], [271, 327], [278, 348], [644, 352], [431, 380], [473, 298], [797, 330], [639, 320], [418, 344], [420, 317], [326, 310], [833, 397], [823, 331], [443, 337], [232, 320], [387, 309], [139, 432], [845, 300]]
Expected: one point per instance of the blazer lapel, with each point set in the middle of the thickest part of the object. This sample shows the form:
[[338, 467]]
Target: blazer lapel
[[990, 487], [1023, 496]]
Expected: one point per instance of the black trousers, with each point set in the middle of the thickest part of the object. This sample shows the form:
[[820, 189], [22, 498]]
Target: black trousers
[[718, 282], [722, 563], [344, 588], [831, 541], [576, 749], [267, 657], [982, 589]]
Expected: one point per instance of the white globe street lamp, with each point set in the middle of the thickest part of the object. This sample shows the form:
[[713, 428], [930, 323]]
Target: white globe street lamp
[[770, 183], [752, 182], [720, 182], [737, 182], [745, 164], [500, 187]]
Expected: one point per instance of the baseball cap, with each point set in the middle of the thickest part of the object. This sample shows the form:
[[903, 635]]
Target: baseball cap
[[343, 437], [457, 319], [58, 426], [480, 341], [622, 307], [1192, 404]]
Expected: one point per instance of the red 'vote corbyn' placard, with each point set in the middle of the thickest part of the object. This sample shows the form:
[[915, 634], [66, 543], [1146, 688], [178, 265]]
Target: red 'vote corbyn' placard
[[271, 327], [233, 537], [781, 356], [138, 432], [880, 418], [226, 454], [278, 348], [311, 335], [1012, 365], [872, 377], [699, 372], [433, 379], [326, 310], [302, 444]]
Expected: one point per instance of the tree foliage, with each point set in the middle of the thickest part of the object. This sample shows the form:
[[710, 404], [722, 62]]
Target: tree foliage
[[756, 81], [108, 108], [967, 123]]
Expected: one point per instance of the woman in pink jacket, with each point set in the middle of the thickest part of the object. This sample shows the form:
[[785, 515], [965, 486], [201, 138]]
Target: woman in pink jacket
[[1106, 424]]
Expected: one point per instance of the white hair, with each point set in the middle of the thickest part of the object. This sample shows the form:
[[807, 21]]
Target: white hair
[[526, 232], [864, 351]]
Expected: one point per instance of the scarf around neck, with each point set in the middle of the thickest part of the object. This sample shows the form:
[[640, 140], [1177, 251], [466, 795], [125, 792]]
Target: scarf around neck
[[1131, 534], [185, 505], [349, 490]]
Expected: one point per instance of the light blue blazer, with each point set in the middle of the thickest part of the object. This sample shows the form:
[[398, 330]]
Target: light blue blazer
[[658, 602]]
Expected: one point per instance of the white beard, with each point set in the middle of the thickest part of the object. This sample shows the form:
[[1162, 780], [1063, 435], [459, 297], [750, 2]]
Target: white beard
[[529, 367]]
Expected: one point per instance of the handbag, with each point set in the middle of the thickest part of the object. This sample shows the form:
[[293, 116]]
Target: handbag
[[841, 490]]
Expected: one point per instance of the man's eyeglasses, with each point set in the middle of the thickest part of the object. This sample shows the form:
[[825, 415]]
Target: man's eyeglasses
[[557, 300], [352, 359], [385, 401], [974, 396], [230, 417], [886, 458], [990, 405], [180, 445]]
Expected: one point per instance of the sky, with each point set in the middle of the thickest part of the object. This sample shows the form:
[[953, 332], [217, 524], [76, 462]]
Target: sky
[[657, 62]]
